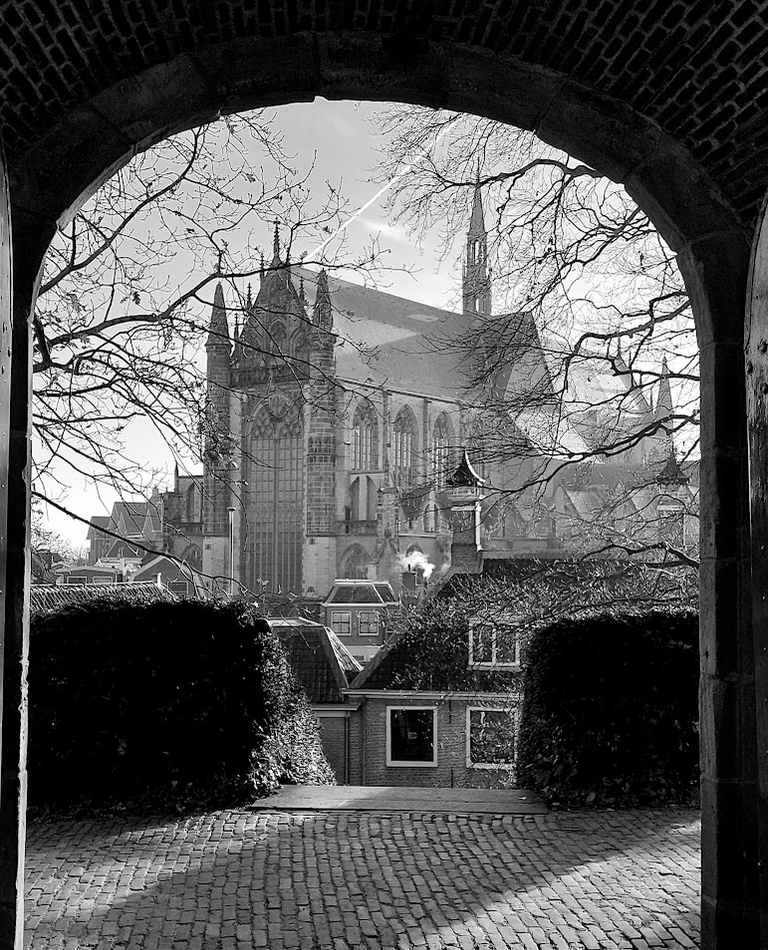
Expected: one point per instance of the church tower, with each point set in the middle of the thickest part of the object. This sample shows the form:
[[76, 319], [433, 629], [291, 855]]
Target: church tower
[[476, 278], [217, 442], [320, 560]]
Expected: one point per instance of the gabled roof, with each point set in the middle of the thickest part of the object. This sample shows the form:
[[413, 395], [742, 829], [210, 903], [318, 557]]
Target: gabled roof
[[47, 597], [390, 339], [322, 664]]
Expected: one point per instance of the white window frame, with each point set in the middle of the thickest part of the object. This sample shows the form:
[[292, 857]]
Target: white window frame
[[341, 613], [491, 766], [494, 663], [403, 764], [368, 614]]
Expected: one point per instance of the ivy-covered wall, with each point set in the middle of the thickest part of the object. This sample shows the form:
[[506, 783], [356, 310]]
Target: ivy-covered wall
[[164, 704], [610, 710]]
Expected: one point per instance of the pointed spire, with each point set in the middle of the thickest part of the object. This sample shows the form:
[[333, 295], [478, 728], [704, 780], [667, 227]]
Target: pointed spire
[[248, 298], [322, 315], [477, 221], [664, 405], [276, 246], [218, 331]]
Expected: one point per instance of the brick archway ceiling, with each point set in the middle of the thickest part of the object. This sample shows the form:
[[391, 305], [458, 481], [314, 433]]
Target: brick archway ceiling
[[684, 64]]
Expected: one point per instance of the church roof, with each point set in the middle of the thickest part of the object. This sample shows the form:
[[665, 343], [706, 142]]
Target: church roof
[[391, 341]]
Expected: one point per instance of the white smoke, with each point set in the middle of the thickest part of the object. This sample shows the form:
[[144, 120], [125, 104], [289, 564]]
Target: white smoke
[[416, 561]]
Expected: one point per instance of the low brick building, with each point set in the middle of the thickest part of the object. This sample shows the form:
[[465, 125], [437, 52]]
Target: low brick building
[[446, 720]]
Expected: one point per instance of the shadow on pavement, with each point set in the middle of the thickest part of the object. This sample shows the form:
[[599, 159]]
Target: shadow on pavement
[[342, 879]]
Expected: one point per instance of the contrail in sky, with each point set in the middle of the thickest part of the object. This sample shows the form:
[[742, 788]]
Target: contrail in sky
[[383, 190]]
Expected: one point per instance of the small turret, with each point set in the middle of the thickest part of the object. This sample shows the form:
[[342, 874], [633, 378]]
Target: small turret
[[322, 315], [218, 331], [663, 444]]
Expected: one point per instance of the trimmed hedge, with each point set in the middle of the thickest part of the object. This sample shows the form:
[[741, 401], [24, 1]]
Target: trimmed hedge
[[164, 704], [610, 710]]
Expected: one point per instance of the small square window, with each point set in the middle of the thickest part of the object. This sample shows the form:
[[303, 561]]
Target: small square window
[[491, 738], [369, 623], [493, 646], [341, 622], [412, 736]]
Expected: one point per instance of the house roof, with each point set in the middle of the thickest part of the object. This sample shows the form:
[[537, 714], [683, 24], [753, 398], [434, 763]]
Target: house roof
[[353, 591], [47, 597], [322, 664]]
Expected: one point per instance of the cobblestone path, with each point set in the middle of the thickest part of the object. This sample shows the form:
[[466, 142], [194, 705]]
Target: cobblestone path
[[238, 880]]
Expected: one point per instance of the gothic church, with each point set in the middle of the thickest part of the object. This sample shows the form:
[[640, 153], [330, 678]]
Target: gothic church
[[335, 414]]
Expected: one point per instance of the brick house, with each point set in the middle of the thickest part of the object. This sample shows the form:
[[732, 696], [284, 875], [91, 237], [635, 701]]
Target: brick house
[[439, 705], [356, 610]]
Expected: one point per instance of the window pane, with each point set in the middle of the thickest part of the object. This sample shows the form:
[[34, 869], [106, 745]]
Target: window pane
[[369, 623], [482, 644], [506, 645], [411, 735], [341, 623], [491, 737]]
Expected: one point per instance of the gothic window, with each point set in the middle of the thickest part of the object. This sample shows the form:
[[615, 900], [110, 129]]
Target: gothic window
[[300, 350], [441, 451], [276, 340], [404, 448], [274, 502], [364, 438]]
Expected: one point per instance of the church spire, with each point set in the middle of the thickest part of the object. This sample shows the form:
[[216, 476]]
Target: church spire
[[662, 441], [276, 247], [477, 221], [218, 331], [476, 278]]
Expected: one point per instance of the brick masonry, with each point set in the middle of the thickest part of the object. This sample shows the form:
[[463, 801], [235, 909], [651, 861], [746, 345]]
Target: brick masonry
[[236, 880], [451, 770], [694, 68]]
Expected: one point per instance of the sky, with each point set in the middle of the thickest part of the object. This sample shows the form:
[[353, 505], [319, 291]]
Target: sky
[[339, 140]]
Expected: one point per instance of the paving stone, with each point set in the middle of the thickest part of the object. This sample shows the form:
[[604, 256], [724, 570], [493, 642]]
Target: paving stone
[[243, 880]]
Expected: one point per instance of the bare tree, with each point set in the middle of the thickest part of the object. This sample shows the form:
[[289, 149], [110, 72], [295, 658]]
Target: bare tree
[[588, 358], [128, 286]]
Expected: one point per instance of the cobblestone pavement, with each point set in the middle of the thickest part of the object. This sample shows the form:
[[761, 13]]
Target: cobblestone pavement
[[239, 880]]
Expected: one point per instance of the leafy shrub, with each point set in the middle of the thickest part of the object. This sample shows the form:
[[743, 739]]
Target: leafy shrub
[[610, 710], [181, 704]]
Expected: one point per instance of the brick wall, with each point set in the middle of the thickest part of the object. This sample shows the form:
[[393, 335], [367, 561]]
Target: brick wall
[[451, 769], [332, 735]]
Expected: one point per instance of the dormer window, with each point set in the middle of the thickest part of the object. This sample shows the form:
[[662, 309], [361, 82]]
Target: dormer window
[[493, 646]]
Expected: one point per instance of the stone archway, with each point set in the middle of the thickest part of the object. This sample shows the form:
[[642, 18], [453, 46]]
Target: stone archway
[[89, 142]]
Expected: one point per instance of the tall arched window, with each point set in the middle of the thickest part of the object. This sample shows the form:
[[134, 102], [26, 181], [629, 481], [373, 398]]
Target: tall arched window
[[404, 448], [441, 451], [365, 436], [274, 500], [277, 340]]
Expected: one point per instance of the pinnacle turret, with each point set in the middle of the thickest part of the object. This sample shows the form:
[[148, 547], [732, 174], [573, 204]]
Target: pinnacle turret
[[218, 331], [322, 315]]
